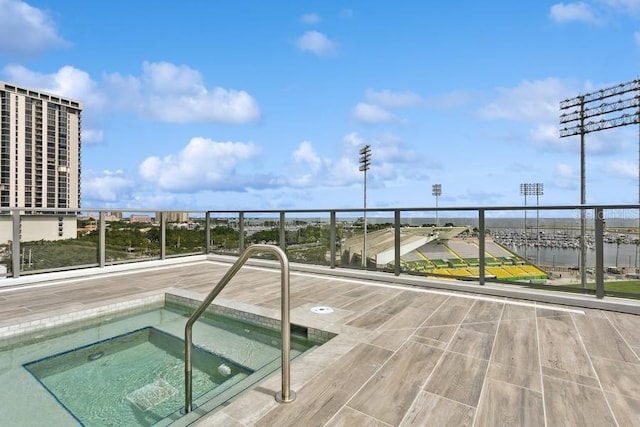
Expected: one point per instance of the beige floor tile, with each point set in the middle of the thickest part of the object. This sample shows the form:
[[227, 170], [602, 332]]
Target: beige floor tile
[[625, 409], [516, 376], [602, 340], [398, 381], [618, 377], [570, 356], [484, 327], [432, 410], [448, 314], [322, 397], [484, 311], [471, 343], [517, 345], [458, 378], [571, 404], [508, 405], [348, 417], [439, 333], [627, 324], [516, 312]]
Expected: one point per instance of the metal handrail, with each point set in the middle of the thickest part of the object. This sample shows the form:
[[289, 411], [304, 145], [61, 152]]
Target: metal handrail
[[286, 395]]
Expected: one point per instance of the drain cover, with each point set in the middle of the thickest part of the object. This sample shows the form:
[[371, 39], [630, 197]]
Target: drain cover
[[322, 310], [152, 394]]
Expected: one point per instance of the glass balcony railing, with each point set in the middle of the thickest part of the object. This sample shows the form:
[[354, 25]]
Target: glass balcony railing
[[591, 250]]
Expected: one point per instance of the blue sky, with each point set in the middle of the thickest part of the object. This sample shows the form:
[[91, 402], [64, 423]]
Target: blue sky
[[265, 104]]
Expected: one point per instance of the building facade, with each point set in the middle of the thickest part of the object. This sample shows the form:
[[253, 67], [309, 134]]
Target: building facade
[[174, 216], [40, 147]]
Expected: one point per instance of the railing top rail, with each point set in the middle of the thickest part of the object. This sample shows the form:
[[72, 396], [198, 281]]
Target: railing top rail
[[431, 209], [528, 207]]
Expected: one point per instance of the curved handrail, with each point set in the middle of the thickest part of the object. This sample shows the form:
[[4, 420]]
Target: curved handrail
[[286, 394]]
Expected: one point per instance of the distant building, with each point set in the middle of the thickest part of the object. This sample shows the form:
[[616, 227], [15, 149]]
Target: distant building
[[140, 219], [40, 160], [114, 216], [174, 216]]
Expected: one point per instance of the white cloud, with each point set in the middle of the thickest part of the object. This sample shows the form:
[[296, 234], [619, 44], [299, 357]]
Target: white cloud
[[92, 136], [369, 113], [322, 171], [68, 81], [306, 154], [391, 162], [378, 103], [566, 177], [203, 164], [310, 18], [107, 186], [353, 140], [389, 99], [316, 42], [26, 30], [623, 169], [577, 11], [72, 83], [529, 101], [177, 94], [624, 6]]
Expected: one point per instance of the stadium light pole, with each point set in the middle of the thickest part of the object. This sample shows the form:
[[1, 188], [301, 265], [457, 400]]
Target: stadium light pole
[[525, 191], [365, 163], [607, 108], [533, 189], [436, 191]]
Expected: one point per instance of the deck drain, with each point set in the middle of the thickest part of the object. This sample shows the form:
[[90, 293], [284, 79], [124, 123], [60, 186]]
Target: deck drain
[[322, 310]]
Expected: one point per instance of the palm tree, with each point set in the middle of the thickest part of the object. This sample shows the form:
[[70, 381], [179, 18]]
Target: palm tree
[[618, 242]]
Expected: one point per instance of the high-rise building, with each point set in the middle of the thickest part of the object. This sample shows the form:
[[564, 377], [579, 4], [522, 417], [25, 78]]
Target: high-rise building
[[40, 155], [39, 149]]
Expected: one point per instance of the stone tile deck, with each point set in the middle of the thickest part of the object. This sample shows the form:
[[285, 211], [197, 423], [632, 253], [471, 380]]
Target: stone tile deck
[[403, 356]]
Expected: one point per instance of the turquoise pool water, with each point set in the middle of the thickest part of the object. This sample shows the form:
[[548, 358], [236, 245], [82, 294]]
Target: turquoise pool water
[[132, 379], [60, 376]]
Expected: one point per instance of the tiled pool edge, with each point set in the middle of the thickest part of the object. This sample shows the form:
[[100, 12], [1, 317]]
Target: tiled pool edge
[[185, 298], [65, 322]]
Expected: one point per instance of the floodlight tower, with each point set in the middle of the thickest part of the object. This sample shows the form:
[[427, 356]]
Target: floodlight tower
[[622, 110], [532, 189], [436, 191], [365, 163], [525, 190]]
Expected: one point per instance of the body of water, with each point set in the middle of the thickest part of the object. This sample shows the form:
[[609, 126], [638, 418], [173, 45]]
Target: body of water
[[625, 256]]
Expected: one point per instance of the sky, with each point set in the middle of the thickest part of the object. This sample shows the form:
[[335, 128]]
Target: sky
[[239, 105]]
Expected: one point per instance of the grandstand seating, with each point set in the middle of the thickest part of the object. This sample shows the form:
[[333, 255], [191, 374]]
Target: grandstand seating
[[458, 258]]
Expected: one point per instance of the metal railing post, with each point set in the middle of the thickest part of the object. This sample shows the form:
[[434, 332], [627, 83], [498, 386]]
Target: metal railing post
[[396, 242], [207, 233], [15, 244], [102, 239], [283, 234], [240, 232], [332, 239], [481, 245], [599, 242], [163, 236]]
